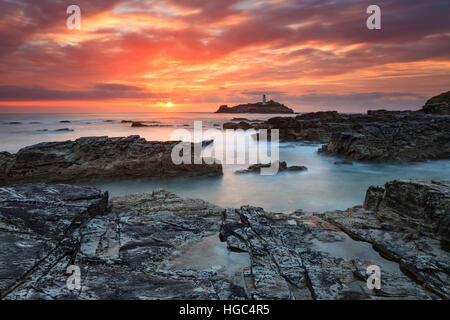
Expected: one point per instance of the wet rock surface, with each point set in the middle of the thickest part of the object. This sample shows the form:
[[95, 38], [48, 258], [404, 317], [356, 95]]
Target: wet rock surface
[[37, 225], [408, 222], [400, 140], [235, 126], [310, 259], [282, 166], [123, 253], [379, 135], [96, 158], [160, 246], [439, 104]]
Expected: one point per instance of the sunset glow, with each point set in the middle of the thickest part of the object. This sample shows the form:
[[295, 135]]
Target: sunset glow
[[136, 55]]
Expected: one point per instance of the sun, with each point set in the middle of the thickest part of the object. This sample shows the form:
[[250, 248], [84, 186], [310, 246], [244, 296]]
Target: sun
[[169, 104]]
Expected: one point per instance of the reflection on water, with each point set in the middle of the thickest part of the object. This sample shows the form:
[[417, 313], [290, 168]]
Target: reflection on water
[[351, 249], [212, 254]]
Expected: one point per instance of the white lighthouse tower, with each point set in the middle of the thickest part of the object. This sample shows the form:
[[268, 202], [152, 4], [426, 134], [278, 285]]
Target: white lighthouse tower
[[264, 102]]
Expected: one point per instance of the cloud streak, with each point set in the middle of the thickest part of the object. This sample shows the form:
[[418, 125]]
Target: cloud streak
[[225, 51]]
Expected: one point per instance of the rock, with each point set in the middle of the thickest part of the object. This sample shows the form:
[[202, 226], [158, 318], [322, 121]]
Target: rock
[[406, 221], [374, 195], [314, 127], [393, 141], [136, 124], [132, 252], [56, 130], [64, 121], [6, 159], [37, 225], [379, 135], [343, 162], [270, 107], [438, 105], [160, 246], [235, 126], [97, 158], [282, 166], [311, 259], [126, 121], [321, 116], [64, 130]]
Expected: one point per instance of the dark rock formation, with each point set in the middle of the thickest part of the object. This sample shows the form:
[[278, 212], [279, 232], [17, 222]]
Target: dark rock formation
[[316, 127], [37, 225], [310, 259], [235, 126], [379, 135], [321, 116], [399, 140], [240, 119], [97, 157], [438, 105], [408, 222], [160, 246], [64, 130], [136, 124], [282, 166], [132, 252], [270, 107]]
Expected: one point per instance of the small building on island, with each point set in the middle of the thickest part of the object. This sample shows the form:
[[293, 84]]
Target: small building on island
[[258, 107]]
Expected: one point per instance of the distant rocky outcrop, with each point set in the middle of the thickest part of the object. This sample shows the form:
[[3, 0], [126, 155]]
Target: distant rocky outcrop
[[235, 126], [439, 104], [136, 124], [282, 166], [160, 246], [95, 158], [270, 107], [379, 135]]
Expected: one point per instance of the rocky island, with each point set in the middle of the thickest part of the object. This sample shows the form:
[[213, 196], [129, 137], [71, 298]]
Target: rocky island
[[160, 246], [259, 107]]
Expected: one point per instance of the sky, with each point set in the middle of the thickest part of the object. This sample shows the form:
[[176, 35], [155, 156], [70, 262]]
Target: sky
[[195, 55]]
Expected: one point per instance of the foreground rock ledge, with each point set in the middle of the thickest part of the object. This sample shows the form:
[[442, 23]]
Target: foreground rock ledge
[[94, 158], [160, 246]]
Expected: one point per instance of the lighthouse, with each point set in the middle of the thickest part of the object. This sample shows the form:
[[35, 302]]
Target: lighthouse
[[264, 99]]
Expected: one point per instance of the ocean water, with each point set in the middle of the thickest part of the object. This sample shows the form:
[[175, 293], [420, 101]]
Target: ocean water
[[324, 186]]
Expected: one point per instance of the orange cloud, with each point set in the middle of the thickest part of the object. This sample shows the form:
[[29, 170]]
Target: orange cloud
[[199, 54]]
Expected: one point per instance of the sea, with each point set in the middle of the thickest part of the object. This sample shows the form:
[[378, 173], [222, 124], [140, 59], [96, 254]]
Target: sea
[[324, 186]]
